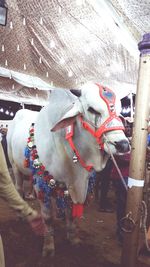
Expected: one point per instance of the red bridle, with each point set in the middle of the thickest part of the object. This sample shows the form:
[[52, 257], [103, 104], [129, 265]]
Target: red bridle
[[113, 122]]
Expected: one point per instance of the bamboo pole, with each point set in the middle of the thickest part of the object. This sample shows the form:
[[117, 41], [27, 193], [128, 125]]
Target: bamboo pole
[[138, 155]]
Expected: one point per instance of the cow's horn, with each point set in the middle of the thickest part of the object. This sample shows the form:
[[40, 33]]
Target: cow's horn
[[76, 92]]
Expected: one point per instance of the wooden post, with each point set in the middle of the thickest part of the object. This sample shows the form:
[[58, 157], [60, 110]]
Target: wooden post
[[138, 155]]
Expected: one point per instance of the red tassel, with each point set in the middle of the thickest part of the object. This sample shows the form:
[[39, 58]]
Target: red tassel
[[77, 210]]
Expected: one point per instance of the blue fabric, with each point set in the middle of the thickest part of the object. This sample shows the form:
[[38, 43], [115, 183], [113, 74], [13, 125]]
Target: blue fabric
[[91, 183], [148, 140]]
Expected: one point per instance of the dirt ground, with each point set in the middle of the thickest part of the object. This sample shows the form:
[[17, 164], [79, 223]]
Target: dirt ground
[[99, 247]]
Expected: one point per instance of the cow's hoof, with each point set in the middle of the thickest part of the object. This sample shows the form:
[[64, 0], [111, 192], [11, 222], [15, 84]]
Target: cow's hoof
[[75, 241], [29, 196]]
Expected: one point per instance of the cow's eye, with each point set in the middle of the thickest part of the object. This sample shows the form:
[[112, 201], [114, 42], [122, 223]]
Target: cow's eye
[[93, 111]]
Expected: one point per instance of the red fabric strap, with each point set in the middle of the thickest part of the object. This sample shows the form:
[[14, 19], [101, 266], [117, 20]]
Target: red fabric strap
[[69, 135], [87, 167], [113, 122], [109, 102], [102, 129], [77, 210]]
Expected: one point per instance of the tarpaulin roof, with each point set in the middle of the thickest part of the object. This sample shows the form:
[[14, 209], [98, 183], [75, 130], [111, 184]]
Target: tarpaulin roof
[[65, 43]]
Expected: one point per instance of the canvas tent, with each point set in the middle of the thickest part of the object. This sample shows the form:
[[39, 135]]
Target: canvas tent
[[61, 43]]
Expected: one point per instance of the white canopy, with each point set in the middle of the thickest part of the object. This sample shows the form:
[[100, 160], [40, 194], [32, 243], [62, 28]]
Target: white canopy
[[50, 44]]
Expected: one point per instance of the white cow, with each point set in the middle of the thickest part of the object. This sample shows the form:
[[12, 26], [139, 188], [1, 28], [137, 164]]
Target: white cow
[[92, 114]]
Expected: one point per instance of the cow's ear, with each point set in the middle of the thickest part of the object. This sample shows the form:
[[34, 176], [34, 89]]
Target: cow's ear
[[63, 124], [68, 117]]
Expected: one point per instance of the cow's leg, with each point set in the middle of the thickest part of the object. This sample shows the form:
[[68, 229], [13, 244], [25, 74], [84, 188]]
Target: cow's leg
[[72, 228], [73, 232], [48, 246], [30, 194]]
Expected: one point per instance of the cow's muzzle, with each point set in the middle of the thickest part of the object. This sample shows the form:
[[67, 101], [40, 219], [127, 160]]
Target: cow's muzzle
[[122, 146]]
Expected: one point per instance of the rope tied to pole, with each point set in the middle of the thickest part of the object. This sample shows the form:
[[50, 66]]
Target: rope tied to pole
[[127, 223], [115, 163], [143, 223]]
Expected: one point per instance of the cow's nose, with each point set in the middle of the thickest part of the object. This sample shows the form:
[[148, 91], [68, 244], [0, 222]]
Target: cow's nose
[[122, 146]]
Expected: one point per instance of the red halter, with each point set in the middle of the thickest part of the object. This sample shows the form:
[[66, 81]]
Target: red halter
[[113, 122]]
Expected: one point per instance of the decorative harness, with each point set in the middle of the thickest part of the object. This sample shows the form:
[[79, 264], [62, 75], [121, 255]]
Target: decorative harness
[[113, 122]]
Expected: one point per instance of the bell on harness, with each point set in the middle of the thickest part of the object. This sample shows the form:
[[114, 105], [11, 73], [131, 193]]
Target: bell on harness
[[75, 159]]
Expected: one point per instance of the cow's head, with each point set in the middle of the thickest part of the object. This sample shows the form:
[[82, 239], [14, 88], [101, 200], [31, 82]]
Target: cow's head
[[97, 109]]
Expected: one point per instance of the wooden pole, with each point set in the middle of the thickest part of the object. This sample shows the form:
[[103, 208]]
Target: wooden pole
[[138, 156]]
